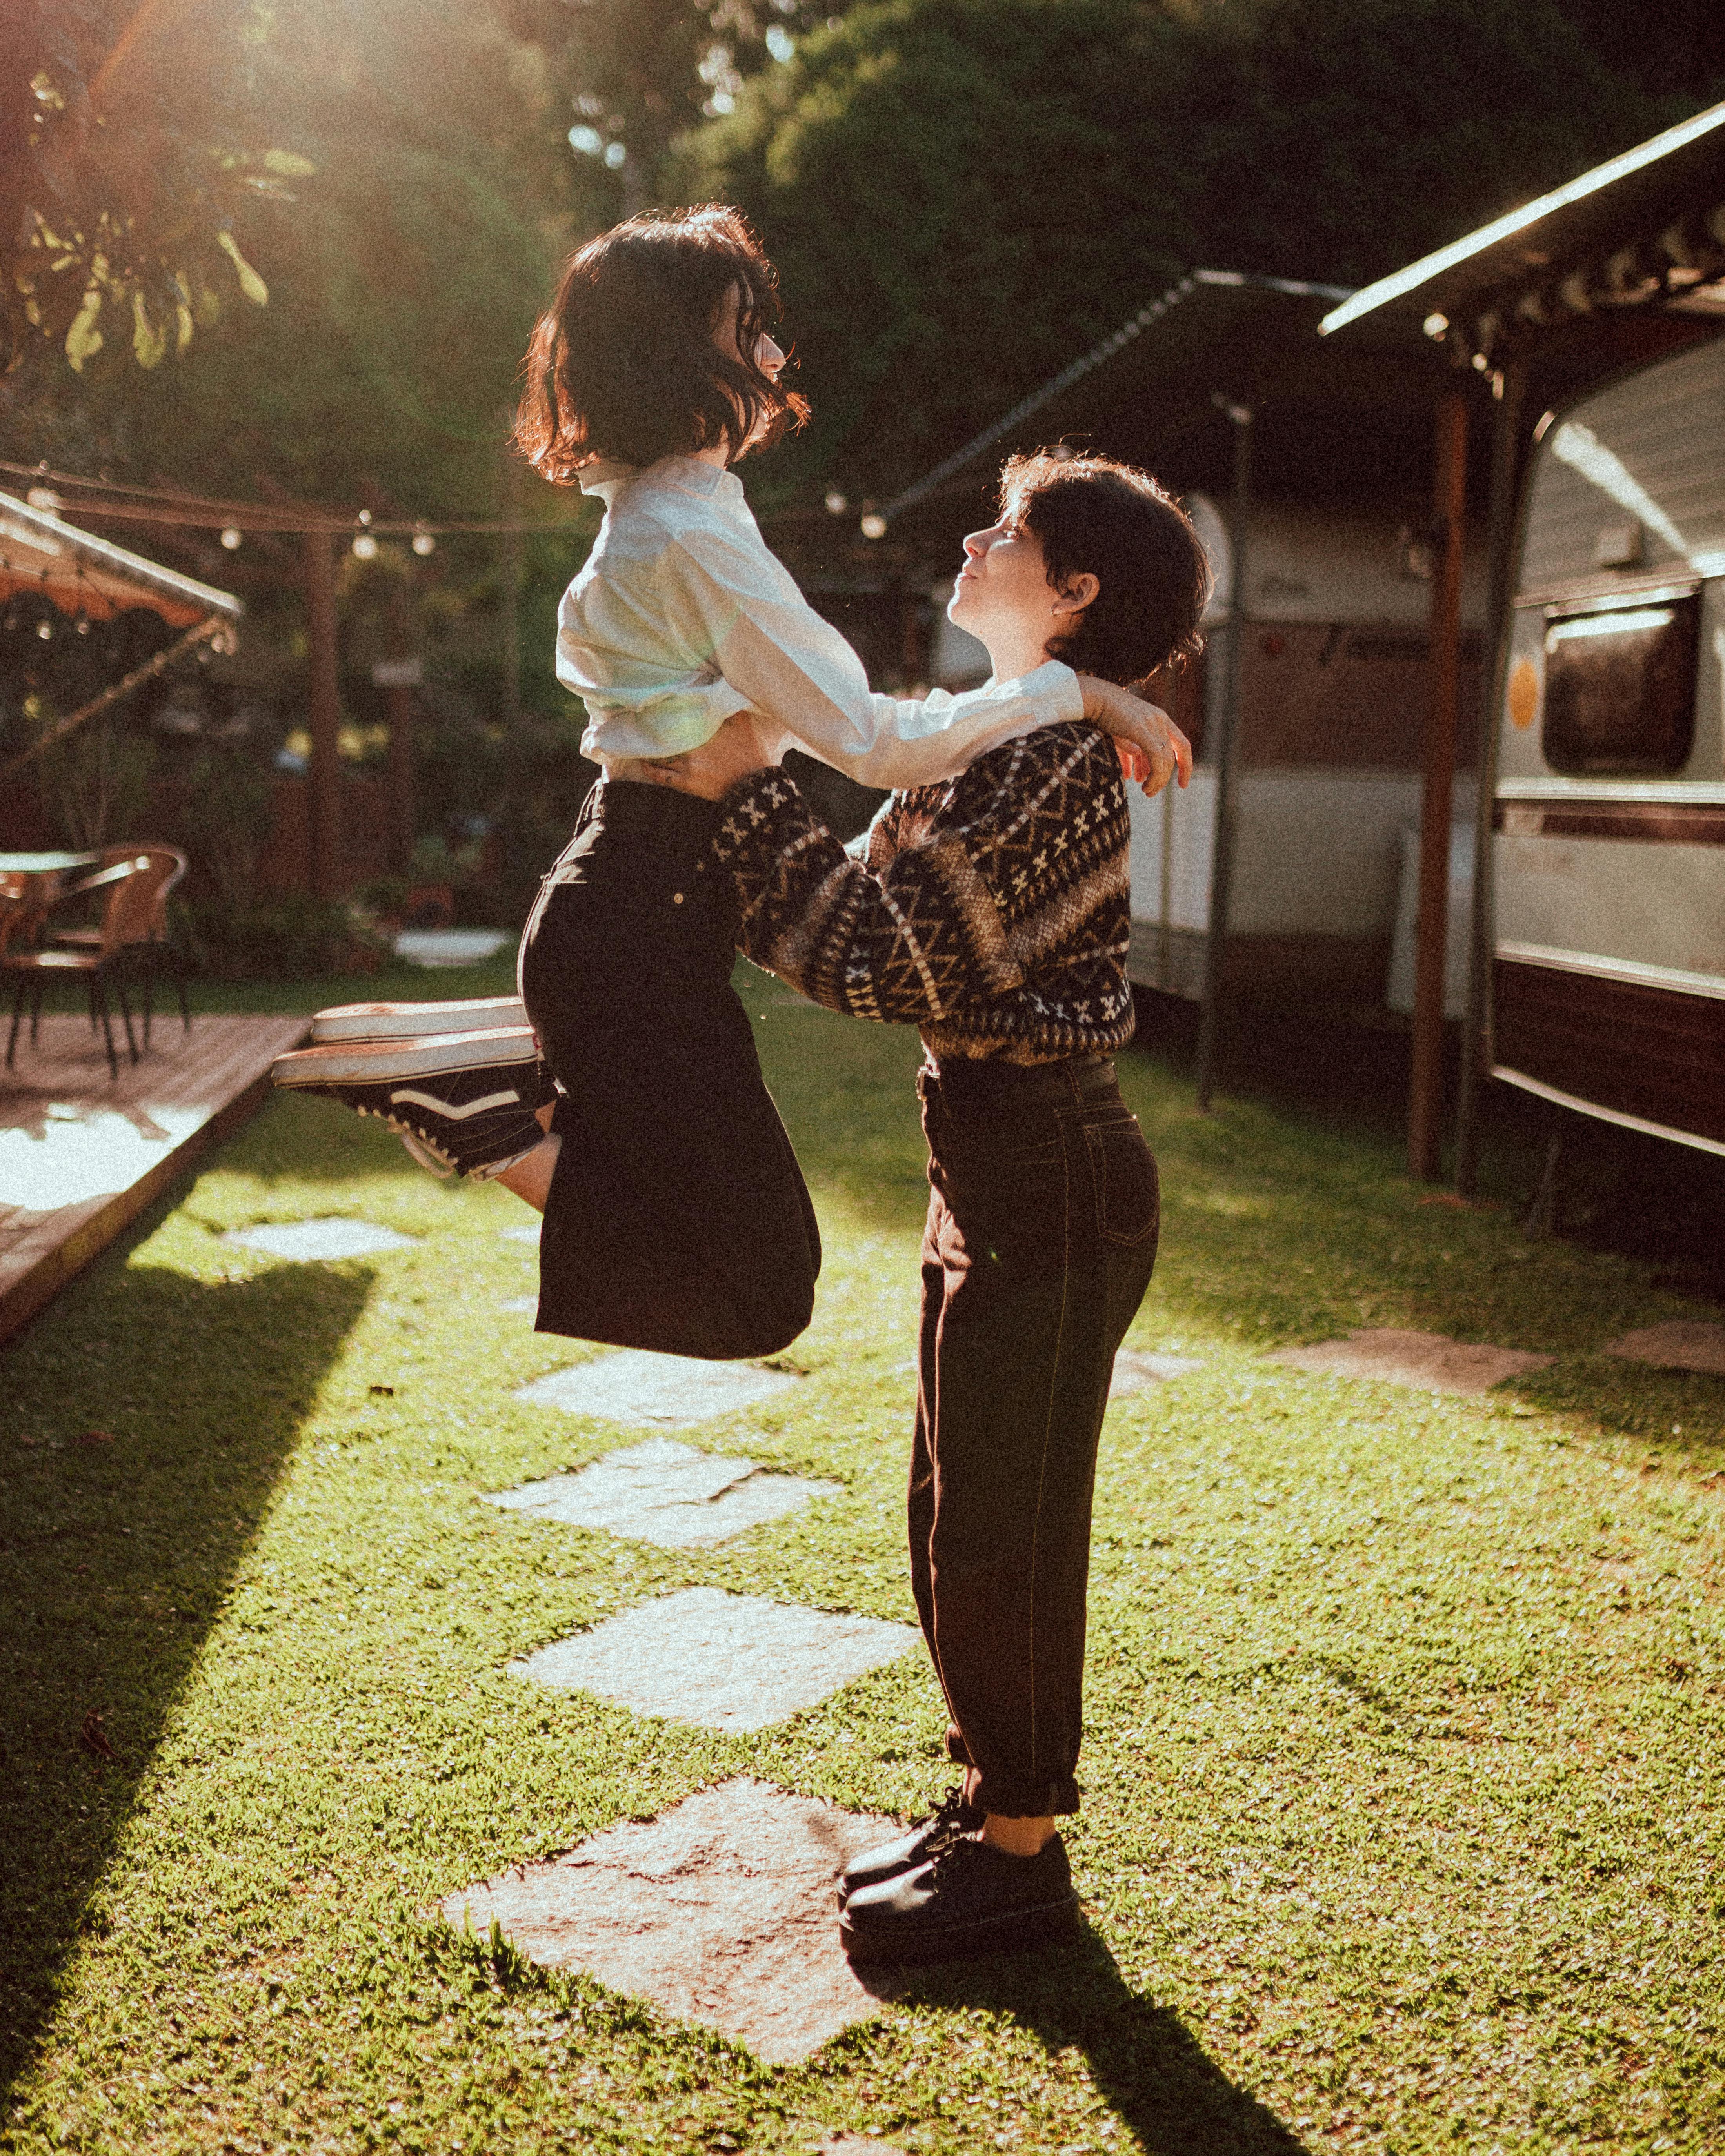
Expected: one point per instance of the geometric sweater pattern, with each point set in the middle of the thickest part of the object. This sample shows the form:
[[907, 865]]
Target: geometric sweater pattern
[[992, 911]]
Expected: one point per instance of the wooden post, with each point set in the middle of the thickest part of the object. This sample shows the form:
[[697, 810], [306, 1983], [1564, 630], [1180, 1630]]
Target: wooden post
[[1426, 1088], [325, 715], [1227, 729], [401, 677], [1511, 390]]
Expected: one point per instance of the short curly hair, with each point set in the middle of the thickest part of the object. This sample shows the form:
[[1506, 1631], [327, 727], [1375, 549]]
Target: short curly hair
[[622, 363], [1090, 513]]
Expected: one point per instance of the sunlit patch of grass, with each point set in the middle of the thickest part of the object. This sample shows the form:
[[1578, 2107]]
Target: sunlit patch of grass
[[1405, 1777]]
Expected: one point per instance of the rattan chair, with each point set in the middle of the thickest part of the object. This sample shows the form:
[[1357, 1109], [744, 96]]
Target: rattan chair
[[127, 918], [152, 954]]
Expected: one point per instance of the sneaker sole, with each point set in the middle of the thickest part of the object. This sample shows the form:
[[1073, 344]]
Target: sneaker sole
[[412, 1021], [378, 1062], [1015, 1931]]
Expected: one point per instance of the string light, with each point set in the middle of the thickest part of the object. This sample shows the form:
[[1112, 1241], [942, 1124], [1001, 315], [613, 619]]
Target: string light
[[365, 547], [166, 505]]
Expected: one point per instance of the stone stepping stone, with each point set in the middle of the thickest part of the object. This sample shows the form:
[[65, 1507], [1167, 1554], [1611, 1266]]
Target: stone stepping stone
[[1681, 1343], [635, 1385], [303, 1241], [667, 1493], [451, 946], [1429, 1361], [721, 1912], [521, 1235], [522, 1305], [1135, 1371], [722, 1661]]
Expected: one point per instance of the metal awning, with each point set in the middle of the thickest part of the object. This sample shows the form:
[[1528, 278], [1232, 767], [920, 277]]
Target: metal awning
[[1331, 421], [79, 574], [1147, 393], [1195, 313], [1644, 230]]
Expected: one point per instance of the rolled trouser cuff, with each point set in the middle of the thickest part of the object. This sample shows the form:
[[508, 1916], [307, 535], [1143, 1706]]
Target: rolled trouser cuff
[[1012, 1796]]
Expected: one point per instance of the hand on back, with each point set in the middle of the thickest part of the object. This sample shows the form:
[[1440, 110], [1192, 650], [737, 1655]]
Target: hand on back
[[710, 771]]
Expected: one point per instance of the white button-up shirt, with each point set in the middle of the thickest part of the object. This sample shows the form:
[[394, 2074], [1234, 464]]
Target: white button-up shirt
[[682, 616]]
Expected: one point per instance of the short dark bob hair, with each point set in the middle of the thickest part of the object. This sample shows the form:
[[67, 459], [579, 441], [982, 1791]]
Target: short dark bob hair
[[622, 363], [1090, 513]]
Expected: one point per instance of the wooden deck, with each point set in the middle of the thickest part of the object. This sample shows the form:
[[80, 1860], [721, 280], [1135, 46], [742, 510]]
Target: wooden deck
[[82, 1154]]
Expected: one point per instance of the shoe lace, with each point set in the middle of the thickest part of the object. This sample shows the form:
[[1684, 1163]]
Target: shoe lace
[[951, 1821]]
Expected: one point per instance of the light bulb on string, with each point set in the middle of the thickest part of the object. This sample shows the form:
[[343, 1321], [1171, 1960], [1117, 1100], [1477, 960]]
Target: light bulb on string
[[365, 547], [82, 624], [423, 543], [44, 629], [231, 536]]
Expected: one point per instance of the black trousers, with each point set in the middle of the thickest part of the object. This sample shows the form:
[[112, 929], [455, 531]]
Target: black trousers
[[1040, 1239], [678, 1218]]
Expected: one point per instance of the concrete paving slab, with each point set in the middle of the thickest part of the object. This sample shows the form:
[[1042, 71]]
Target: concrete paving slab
[[721, 1912], [667, 1493], [1681, 1343], [1136, 1370], [1428, 1361], [722, 1661], [634, 1385], [527, 1234], [522, 1305], [304, 1242], [451, 946]]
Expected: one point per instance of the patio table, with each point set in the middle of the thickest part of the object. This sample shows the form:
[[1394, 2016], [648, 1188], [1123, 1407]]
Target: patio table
[[29, 884]]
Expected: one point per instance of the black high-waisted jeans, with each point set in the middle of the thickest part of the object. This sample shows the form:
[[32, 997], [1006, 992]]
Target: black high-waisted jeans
[[1041, 1239], [678, 1218]]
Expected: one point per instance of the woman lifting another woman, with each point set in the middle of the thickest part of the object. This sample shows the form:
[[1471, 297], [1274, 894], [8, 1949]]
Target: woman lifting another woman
[[621, 1094]]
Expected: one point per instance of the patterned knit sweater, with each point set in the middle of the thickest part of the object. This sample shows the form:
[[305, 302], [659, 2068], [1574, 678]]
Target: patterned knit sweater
[[991, 912]]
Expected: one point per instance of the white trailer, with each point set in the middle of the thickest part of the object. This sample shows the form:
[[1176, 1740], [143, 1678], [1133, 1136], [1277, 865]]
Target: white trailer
[[1608, 814]]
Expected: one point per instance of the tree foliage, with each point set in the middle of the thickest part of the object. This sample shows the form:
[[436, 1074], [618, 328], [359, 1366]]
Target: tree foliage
[[961, 195], [640, 73], [403, 277], [133, 149]]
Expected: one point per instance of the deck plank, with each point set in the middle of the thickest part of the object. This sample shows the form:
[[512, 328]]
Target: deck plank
[[83, 1153]]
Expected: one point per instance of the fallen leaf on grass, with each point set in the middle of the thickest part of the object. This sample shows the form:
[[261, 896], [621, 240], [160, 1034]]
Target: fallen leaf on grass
[[94, 1437], [93, 1738]]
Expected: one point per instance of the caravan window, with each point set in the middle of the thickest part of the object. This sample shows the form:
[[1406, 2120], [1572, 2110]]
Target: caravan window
[[1619, 688]]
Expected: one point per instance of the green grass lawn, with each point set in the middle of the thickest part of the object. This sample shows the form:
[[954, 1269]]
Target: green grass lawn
[[1403, 1825]]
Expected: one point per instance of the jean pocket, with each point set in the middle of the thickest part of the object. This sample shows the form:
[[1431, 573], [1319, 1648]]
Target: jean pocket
[[1128, 1196]]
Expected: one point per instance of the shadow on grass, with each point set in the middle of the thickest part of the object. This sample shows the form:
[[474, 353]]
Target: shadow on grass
[[1157, 2078], [117, 1553], [299, 1139]]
